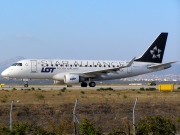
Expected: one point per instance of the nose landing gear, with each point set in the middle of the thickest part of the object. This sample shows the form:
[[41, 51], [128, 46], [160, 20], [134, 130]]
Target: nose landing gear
[[26, 84]]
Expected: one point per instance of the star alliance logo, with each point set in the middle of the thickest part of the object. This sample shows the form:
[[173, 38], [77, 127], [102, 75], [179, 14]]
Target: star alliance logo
[[155, 53]]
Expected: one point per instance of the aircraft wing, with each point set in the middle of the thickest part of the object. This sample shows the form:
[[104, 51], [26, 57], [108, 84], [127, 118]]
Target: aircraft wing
[[164, 65], [109, 70]]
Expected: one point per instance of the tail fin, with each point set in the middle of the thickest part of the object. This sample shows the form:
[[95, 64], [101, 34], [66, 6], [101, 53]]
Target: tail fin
[[155, 52]]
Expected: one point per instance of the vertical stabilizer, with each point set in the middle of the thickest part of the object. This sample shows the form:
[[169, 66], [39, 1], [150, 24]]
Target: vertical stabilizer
[[155, 52]]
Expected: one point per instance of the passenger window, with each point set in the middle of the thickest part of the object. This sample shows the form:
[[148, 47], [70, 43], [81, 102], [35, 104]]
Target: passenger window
[[47, 65], [51, 65], [95, 65], [56, 65]]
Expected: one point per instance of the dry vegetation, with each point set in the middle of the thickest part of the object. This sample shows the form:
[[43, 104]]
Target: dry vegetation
[[108, 109]]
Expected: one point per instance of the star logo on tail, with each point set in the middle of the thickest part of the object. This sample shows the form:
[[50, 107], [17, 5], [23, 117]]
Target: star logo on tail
[[156, 53]]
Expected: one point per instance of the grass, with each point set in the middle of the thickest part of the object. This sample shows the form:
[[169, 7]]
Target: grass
[[139, 92], [115, 106], [93, 96], [147, 89], [4, 100], [105, 89], [63, 89], [124, 96], [40, 96], [59, 93], [82, 92]]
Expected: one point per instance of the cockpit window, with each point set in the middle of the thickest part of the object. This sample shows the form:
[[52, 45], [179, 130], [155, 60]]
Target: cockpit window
[[17, 64]]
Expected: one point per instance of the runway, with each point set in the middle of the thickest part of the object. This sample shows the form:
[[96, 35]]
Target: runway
[[77, 87]]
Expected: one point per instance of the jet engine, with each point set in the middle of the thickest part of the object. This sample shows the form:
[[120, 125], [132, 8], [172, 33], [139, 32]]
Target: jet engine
[[72, 78]]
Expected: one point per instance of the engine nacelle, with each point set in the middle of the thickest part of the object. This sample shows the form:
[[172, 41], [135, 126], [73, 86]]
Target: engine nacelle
[[71, 78]]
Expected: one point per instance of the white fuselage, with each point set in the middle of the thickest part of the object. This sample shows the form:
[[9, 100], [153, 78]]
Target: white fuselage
[[56, 69]]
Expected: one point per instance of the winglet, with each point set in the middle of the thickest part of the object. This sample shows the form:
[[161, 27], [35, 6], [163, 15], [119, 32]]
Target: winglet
[[131, 62]]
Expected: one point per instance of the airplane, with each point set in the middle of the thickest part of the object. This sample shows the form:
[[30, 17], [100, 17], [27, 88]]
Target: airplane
[[87, 72]]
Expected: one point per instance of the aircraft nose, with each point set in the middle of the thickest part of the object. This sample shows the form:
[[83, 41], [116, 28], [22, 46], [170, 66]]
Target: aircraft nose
[[4, 73]]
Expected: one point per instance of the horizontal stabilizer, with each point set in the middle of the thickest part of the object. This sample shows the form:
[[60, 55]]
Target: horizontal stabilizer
[[168, 64]]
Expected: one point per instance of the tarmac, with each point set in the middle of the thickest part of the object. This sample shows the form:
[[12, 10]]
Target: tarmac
[[78, 87]]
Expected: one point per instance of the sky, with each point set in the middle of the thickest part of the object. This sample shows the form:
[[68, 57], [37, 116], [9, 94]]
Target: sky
[[87, 29]]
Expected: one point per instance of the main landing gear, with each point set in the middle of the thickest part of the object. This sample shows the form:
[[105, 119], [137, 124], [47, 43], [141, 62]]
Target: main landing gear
[[91, 84], [83, 84]]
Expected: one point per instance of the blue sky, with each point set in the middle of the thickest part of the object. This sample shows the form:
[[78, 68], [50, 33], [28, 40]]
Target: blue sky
[[82, 29]]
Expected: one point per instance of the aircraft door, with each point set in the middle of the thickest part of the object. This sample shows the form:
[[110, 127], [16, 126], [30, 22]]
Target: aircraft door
[[34, 66]]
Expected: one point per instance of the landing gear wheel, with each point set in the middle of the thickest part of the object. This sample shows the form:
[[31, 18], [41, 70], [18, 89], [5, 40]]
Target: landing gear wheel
[[83, 84], [92, 84], [25, 85]]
